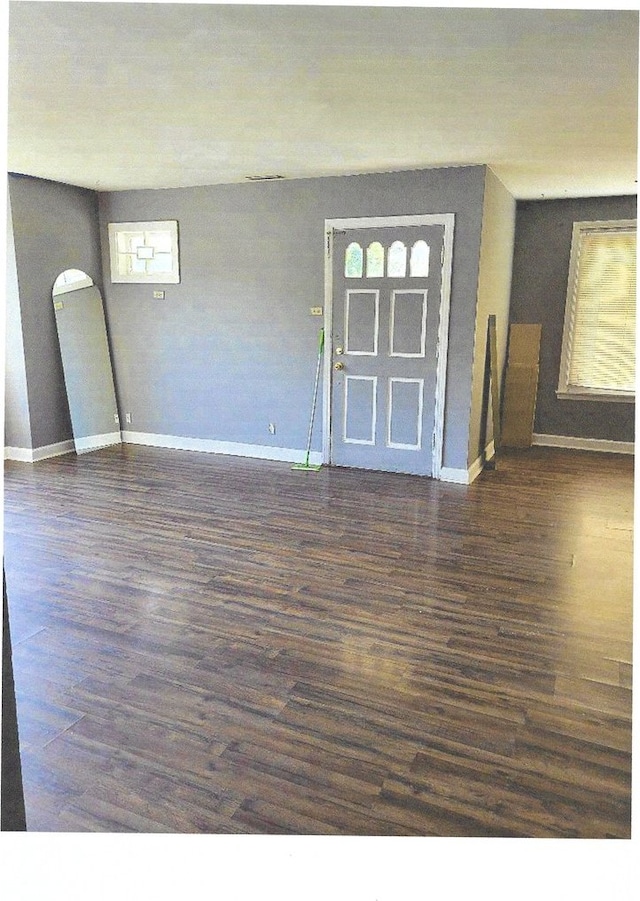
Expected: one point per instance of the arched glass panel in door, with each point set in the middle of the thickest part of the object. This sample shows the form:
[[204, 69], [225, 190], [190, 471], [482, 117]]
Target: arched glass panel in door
[[419, 263], [375, 260], [397, 260], [353, 261]]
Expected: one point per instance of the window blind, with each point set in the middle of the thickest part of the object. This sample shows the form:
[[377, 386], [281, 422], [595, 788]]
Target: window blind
[[602, 341]]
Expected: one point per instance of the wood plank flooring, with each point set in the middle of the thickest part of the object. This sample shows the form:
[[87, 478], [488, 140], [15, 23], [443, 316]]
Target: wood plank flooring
[[207, 644]]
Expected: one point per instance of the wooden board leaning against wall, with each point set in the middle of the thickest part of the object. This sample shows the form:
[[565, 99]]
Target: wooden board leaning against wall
[[521, 385]]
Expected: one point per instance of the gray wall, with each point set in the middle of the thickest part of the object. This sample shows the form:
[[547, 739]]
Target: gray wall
[[494, 289], [55, 227], [17, 426], [233, 346], [539, 290]]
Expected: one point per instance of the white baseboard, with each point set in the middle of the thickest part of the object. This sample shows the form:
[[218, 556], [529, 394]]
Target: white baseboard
[[33, 455], [456, 476], [467, 476], [94, 442], [81, 446], [19, 454], [476, 468], [231, 448], [588, 444]]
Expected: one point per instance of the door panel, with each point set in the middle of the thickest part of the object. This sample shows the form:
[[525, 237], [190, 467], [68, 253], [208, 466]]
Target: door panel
[[386, 287], [408, 323], [362, 322], [405, 409], [360, 407]]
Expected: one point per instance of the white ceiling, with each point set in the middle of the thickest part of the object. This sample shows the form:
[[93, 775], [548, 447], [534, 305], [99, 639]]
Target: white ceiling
[[115, 96]]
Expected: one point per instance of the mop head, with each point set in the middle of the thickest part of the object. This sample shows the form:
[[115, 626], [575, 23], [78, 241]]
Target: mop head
[[307, 467]]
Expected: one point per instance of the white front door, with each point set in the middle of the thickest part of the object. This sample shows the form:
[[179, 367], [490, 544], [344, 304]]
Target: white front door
[[386, 315]]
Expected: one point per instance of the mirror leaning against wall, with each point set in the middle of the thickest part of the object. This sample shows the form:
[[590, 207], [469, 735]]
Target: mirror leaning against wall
[[86, 361]]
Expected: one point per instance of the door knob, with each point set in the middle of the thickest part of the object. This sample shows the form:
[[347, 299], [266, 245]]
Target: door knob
[[338, 366]]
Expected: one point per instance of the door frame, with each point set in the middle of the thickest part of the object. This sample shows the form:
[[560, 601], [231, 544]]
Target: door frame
[[442, 346]]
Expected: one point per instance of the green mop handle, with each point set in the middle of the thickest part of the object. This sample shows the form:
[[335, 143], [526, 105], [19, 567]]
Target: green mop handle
[[315, 391]]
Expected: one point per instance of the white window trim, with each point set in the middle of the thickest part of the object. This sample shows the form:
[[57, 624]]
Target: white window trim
[[154, 278], [565, 390]]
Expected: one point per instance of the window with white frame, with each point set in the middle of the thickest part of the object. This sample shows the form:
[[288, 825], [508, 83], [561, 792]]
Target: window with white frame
[[598, 345], [144, 252]]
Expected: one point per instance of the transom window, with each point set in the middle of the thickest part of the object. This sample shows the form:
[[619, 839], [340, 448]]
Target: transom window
[[357, 261], [598, 352]]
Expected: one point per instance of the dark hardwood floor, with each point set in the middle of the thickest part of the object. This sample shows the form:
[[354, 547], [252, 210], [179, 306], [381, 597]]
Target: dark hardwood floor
[[217, 645]]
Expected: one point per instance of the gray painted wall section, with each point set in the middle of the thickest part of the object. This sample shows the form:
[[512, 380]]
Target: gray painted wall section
[[494, 290], [17, 425], [233, 346], [55, 227], [540, 275]]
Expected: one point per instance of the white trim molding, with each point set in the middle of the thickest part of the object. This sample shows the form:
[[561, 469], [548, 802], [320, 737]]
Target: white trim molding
[[33, 455], [479, 464], [351, 292], [396, 292], [467, 476], [374, 409], [230, 448], [589, 444], [95, 442], [455, 476], [19, 454], [600, 396], [394, 380]]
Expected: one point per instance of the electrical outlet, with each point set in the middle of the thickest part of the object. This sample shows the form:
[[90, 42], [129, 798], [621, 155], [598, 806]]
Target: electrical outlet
[[127, 417], [272, 428], [116, 419]]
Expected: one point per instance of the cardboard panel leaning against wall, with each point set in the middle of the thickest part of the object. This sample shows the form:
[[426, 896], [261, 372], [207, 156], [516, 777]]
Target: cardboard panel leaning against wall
[[539, 291]]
